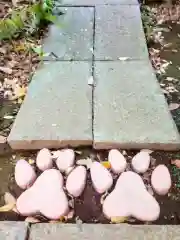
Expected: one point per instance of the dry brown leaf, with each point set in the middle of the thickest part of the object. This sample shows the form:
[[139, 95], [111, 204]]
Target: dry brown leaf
[[32, 220], [118, 219], [68, 170], [86, 162], [147, 151], [9, 198], [103, 197], [176, 163], [7, 207], [173, 106], [6, 70], [70, 215], [106, 164], [14, 2]]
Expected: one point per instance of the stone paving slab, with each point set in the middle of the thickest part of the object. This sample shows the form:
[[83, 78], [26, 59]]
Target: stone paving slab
[[72, 37], [57, 111], [130, 110], [95, 2], [13, 230], [119, 33], [103, 232]]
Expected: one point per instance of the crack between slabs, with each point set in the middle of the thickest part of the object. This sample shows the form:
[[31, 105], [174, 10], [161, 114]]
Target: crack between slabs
[[28, 232], [93, 86]]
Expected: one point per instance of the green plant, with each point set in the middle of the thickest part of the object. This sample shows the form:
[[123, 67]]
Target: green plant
[[27, 20]]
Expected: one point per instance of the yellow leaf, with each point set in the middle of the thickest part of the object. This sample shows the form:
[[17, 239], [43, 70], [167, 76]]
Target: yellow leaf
[[20, 101], [60, 220], [21, 92], [20, 47], [106, 164], [118, 219], [31, 161], [7, 207]]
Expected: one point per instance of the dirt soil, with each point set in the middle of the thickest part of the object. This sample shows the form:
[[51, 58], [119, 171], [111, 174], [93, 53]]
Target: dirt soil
[[87, 208]]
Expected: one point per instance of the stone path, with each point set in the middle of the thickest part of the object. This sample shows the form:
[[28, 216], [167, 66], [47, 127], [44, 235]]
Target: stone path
[[46, 231], [101, 40]]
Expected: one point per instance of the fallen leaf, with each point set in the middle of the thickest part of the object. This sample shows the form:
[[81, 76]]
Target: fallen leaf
[[124, 153], [9, 198], [31, 161], [79, 222], [20, 100], [78, 152], [176, 163], [106, 164], [147, 151], [86, 162], [71, 202], [14, 2], [91, 81], [8, 117], [67, 171], [7, 207], [62, 219], [32, 220], [153, 161], [21, 92], [70, 215], [103, 197], [173, 106], [3, 50], [150, 190], [118, 219], [6, 70]]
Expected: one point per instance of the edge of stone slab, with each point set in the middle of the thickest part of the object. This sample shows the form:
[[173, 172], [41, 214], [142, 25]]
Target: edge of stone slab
[[103, 231], [14, 230], [90, 3], [99, 145], [52, 144]]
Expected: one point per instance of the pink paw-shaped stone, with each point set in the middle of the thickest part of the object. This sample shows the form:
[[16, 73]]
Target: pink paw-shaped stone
[[24, 174], [130, 198], [46, 196]]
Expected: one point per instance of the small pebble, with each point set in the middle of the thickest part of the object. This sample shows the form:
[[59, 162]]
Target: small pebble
[[44, 159], [101, 178], [161, 180], [66, 158], [117, 161], [76, 181], [24, 174], [141, 162]]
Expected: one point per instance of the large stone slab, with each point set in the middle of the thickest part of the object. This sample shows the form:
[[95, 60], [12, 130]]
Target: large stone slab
[[130, 110], [103, 232], [72, 37], [94, 2], [119, 33], [13, 230], [57, 110]]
